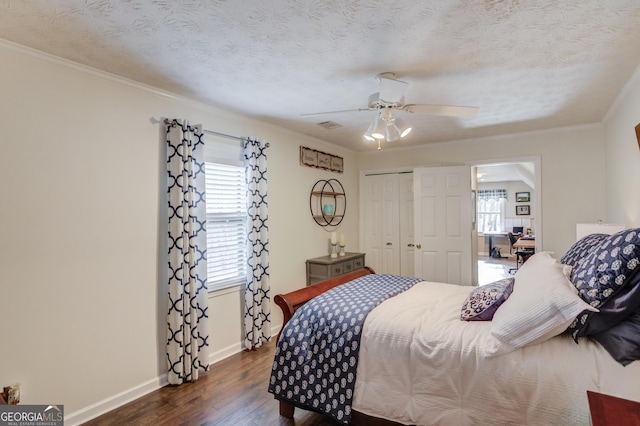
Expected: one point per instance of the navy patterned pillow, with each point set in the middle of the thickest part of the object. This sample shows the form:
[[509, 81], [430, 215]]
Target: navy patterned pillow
[[604, 272], [484, 301], [623, 341], [580, 249]]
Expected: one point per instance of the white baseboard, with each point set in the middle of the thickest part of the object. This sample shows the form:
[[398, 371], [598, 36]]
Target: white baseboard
[[99, 408], [115, 401], [223, 353]]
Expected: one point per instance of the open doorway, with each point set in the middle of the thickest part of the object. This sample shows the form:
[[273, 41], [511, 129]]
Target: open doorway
[[507, 202]]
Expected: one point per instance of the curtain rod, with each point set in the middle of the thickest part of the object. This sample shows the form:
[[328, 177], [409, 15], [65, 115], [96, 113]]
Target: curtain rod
[[211, 132]]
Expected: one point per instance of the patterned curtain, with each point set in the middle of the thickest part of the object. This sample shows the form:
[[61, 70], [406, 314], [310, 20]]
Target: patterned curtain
[[489, 194], [187, 333], [257, 317]]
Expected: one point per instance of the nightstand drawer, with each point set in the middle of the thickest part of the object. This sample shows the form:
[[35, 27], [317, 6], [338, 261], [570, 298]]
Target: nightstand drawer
[[358, 263], [347, 266], [336, 269]]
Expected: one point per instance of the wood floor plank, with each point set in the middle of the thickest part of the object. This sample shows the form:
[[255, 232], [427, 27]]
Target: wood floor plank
[[233, 392]]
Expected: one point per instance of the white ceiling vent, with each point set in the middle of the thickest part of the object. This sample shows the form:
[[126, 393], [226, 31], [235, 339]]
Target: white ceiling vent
[[329, 125]]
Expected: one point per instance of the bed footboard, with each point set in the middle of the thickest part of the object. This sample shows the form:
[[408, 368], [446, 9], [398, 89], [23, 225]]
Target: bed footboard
[[290, 302]]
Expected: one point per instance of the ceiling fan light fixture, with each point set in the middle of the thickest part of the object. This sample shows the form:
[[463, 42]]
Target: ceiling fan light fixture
[[403, 128], [386, 126], [379, 128], [367, 134], [392, 133]]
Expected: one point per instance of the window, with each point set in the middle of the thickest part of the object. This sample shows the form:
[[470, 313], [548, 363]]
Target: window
[[491, 210], [226, 192]]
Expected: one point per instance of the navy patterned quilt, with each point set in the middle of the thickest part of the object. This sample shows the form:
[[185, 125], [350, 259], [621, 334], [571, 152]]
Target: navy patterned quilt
[[317, 354]]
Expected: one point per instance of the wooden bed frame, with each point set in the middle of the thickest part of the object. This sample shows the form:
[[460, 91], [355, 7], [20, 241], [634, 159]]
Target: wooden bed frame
[[289, 304]]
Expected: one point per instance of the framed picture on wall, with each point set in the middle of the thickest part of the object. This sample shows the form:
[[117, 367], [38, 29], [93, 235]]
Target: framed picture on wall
[[308, 157], [324, 161], [523, 210], [523, 197], [337, 164]]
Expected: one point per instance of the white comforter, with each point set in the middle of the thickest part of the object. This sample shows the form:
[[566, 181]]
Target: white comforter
[[419, 364]]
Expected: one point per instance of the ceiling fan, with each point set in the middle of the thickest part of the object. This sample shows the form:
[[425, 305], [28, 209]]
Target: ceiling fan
[[390, 98]]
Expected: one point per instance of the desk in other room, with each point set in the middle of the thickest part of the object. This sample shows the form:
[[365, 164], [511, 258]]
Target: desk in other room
[[525, 243], [489, 236], [525, 248]]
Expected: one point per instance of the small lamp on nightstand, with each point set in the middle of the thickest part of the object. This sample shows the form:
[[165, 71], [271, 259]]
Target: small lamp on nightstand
[[334, 244], [342, 245]]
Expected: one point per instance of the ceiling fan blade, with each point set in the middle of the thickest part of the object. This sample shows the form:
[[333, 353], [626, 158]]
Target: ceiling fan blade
[[391, 90], [451, 110], [336, 112]]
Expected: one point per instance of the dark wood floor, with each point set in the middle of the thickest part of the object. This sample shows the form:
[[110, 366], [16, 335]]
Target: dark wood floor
[[233, 392]]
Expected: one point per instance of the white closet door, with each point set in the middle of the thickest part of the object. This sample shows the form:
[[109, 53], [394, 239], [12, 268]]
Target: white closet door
[[442, 224], [381, 223], [407, 237]]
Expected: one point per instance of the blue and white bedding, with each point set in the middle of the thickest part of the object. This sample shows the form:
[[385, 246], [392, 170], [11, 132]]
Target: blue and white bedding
[[417, 363], [317, 355]]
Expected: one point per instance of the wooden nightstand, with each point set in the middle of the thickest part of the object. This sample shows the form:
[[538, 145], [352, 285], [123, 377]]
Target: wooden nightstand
[[325, 267]]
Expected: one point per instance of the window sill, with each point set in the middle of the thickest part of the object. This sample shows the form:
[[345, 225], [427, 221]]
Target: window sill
[[227, 290]]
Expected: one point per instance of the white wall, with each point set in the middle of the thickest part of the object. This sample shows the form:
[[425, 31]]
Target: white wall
[[82, 250], [623, 156], [572, 172]]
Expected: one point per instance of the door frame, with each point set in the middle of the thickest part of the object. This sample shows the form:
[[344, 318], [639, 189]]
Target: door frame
[[537, 171]]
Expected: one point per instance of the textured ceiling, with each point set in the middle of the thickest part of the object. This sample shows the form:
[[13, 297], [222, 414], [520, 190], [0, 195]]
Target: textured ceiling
[[528, 64]]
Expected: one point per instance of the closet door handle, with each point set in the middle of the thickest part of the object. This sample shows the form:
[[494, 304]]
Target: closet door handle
[[418, 246], [389, 244], [411, 245]]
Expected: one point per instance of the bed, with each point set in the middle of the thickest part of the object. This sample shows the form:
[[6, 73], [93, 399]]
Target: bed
[[522, 351]]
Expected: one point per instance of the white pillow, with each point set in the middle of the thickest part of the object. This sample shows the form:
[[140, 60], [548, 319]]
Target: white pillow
[[542, 305]]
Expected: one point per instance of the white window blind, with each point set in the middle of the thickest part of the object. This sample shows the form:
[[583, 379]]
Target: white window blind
[[226, 225]]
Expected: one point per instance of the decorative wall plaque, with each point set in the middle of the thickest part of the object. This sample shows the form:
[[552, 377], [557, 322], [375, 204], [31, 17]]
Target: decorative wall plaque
[[321, 160]]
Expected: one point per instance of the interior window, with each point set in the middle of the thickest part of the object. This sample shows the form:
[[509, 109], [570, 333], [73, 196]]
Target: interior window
[[491, 210]]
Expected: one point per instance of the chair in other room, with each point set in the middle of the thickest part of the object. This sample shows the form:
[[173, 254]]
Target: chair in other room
[[512, 240], [521, 254]]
